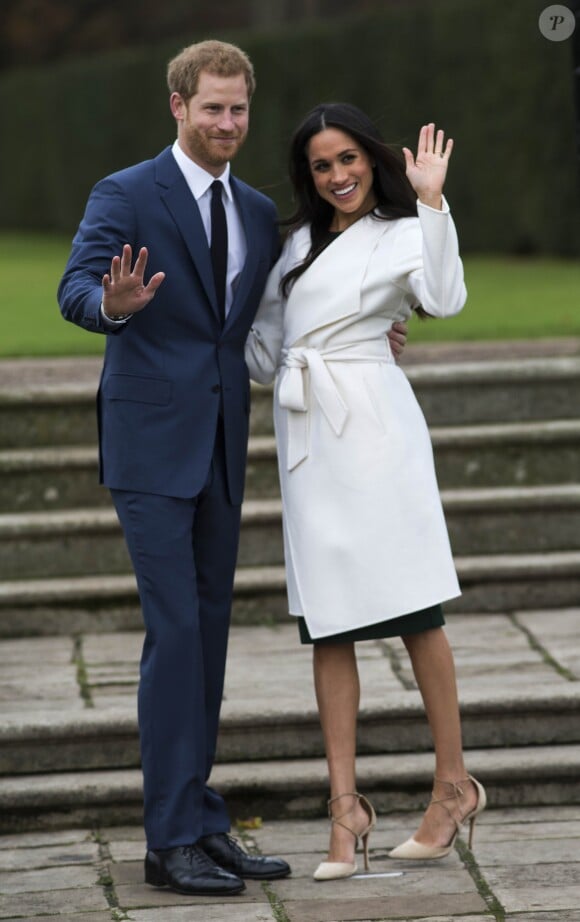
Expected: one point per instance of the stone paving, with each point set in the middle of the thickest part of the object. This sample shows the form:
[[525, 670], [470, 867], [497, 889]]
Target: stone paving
[[516, 651], [525, 867]]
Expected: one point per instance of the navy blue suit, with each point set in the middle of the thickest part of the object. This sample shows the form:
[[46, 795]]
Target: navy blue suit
[[173, 412]]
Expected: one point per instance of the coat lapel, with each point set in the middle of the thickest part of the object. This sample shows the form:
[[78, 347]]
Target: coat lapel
[[183, 208], [330, 289]]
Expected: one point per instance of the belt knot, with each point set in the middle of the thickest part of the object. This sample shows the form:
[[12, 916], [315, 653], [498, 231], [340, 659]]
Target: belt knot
[[291, 388]]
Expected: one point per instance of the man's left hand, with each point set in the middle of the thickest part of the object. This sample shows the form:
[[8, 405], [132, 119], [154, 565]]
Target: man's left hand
[[397, 337]]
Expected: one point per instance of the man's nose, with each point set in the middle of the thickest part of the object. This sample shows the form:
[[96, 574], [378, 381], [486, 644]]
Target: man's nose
[[226, 121]]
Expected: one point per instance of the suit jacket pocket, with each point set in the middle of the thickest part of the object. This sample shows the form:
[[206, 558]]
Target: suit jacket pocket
[[138, 389]]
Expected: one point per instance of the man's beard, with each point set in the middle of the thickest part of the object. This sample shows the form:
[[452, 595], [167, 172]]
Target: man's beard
[[206, 150]]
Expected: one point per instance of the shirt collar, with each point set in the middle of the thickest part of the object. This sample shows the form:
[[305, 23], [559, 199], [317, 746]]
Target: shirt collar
[[198, 179]]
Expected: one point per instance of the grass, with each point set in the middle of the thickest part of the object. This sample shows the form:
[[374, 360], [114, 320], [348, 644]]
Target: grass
[[509, 298], [512, 298], [30, 268]]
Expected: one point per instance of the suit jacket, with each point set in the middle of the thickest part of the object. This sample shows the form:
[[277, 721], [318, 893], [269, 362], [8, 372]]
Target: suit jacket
[[168, 370]]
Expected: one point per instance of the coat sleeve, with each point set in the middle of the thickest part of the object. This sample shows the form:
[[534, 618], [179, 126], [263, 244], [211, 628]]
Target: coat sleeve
[[264, 342], [108, 223], [430, 266]]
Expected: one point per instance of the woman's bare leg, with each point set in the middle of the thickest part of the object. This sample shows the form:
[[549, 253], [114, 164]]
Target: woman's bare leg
[[337, 688], [434, 670]]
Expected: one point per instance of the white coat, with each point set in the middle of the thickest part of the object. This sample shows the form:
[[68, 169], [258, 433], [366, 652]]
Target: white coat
[[364, 534]]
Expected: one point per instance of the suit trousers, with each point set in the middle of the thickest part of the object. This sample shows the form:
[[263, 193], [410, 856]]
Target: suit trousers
[[184, 555]]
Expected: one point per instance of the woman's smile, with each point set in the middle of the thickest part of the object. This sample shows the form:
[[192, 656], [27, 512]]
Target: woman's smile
[[346, 191]]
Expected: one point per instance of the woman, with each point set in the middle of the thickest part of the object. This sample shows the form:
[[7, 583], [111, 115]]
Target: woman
[[366, 547]]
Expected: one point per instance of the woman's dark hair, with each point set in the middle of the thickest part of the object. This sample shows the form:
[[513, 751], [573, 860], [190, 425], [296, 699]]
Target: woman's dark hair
[[393, 191]]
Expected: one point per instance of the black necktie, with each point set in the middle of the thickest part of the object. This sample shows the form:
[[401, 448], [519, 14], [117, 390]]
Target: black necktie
[[219, 246]]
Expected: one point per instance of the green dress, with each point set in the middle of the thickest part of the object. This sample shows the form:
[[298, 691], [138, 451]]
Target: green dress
[[413, 623]]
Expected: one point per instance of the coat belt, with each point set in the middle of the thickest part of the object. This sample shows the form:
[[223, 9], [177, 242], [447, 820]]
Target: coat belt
[[298, 361]]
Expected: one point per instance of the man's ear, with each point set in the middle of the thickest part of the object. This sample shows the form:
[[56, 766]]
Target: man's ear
[[177, 106]]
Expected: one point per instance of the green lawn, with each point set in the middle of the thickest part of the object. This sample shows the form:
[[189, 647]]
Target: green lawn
[[511, 298], [508, 299], [30, 269]]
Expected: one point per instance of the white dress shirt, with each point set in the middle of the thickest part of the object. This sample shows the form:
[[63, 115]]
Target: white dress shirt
[[199, 182]]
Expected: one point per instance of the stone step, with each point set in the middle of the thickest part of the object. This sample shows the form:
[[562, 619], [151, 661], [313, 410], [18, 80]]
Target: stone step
[[70, 701], [496, 520], [89, 542], [85, 542], [498, 391], [54, 414], [508, 454], [90, 739], [66, 477], [513, 776], [110, 602], [516, 454], [451, 394], [490, 583]]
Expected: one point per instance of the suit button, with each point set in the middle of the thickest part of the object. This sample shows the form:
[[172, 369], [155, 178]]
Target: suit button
[[216, 389]]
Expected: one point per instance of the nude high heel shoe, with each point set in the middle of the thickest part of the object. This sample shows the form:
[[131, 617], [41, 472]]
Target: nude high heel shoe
[[334, 870], [413, 850]]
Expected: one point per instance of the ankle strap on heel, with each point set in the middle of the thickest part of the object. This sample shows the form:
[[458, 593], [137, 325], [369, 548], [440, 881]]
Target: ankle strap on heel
[[457, 790], [457, 793], [332, 800], [365, 804]]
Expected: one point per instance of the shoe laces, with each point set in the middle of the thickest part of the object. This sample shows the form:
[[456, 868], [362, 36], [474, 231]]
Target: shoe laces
[[194, 853], [235, 845]]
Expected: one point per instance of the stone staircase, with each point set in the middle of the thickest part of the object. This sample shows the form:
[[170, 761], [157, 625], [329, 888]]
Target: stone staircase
[[506, 436]]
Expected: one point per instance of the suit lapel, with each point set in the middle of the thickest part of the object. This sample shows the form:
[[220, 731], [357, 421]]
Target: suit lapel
[[243, 201], [185, 212]]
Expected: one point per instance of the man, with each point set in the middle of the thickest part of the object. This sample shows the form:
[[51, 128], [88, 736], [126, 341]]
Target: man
[[173, 409]]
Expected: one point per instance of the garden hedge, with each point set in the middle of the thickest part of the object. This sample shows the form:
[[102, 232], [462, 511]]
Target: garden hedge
[[479, 68]]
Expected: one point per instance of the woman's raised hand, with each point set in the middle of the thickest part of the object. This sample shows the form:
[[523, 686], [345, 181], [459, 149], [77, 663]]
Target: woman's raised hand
[[426, 172]]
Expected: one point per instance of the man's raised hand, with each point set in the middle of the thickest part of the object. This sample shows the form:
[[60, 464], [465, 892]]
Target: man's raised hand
[[123, 289]]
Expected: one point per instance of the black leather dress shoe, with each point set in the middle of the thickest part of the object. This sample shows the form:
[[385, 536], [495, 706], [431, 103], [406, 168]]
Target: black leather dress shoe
[[188, 869], [226, 852]]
